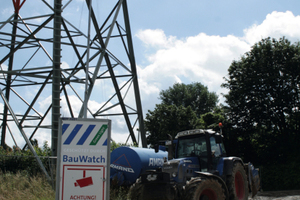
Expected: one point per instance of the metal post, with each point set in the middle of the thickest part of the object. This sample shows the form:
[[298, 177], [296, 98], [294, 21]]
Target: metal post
[[8, 80], [134, 75], [86, 96], [56, 75]]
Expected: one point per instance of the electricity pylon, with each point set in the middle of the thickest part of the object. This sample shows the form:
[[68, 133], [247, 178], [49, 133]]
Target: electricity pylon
[[43, 62]]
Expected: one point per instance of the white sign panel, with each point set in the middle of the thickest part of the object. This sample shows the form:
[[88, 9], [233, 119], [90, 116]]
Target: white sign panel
[[84, 155]]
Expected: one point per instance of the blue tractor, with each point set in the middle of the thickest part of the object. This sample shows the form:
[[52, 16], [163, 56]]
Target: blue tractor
[[200, 170]]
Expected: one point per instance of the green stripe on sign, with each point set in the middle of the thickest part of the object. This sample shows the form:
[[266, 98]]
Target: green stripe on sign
[[99, 134]]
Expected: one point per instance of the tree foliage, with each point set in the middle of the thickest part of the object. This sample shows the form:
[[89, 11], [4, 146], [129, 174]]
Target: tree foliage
[[194, 95], [263, 98], [181, 109], [264, 85], [211, 120], [168, 119], [263, 110]]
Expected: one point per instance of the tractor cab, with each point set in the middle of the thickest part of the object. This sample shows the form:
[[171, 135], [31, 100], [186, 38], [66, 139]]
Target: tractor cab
[[205, 145], [196, 151]]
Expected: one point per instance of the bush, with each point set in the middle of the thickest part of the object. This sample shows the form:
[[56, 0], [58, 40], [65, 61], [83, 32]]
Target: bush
[[281, 176], [14, 159]]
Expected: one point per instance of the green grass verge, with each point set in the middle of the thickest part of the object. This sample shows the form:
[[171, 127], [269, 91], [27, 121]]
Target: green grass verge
[[21, 186]]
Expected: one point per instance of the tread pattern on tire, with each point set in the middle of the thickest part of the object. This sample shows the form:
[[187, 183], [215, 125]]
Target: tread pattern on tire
[[135, 191], [195, 186], [237, 167]]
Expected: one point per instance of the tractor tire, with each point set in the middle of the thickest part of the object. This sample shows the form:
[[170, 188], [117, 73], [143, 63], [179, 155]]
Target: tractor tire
[[204, 189], [135, 191], [237, 183], [139, 191]]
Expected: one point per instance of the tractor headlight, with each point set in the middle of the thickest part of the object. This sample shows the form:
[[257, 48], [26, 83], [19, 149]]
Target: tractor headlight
[[174, 174]]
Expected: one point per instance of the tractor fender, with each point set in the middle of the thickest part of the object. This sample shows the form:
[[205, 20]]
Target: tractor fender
[[253, 178], [228, 164], [207, 175]]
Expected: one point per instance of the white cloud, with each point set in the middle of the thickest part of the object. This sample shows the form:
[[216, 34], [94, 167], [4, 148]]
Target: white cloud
[[276, 24], [202, 58], [64, 65], [7, 11], [155, 38]]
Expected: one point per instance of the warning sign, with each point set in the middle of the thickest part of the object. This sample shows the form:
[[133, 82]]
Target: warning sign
[[83, 182], [83, 159]]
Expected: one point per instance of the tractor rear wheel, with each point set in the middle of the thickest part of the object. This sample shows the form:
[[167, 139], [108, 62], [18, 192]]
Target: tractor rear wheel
[[135, 192], [141, 191], [204, 189], [237, 183]]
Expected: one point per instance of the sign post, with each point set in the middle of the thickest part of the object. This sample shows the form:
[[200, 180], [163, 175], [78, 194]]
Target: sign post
[[83, 159]]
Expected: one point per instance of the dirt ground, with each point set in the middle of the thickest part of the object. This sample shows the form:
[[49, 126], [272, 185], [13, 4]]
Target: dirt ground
[[278, 195]]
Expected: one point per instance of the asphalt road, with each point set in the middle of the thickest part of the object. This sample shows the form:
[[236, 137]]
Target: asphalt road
[[278, 195]]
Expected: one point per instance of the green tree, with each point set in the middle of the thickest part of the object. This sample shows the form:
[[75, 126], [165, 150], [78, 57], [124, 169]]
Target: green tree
[[181, 109], [211, 120], [264, 85], [263, 97], [168, 119], [194, 95]]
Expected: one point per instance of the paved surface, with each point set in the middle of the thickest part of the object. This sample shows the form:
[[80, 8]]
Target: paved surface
[[278, 195]]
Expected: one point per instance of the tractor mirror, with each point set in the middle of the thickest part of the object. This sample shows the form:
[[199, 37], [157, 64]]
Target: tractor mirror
[[156, 148], [219, 139]]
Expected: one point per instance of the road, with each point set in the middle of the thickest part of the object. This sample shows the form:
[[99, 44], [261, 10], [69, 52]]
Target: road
[[278, 195]]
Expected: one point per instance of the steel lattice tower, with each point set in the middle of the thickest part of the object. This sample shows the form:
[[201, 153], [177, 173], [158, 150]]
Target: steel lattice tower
[[44, 60]]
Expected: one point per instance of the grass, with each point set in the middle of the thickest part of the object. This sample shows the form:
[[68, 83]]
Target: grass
[[21, 186], [119, 193]]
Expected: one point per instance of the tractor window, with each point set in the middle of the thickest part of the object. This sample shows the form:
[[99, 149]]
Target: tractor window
[[191, 147], [216, 149]]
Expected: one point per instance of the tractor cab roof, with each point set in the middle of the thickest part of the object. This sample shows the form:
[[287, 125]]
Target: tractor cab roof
[[194, 132]]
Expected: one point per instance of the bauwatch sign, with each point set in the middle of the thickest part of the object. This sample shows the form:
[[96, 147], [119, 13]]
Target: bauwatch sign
[[83, 157]]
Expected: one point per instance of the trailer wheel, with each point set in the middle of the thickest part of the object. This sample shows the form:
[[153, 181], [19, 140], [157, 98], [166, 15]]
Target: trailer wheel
[[204, 189], [135, 191], [237, 183]]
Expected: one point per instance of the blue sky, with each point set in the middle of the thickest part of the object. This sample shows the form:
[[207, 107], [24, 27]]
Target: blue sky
[[192, 40], [187, 18]]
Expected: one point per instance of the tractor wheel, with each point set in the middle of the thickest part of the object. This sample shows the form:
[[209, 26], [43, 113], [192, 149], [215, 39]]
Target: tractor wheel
[[237, 183], [203, 189], [135, 192]]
